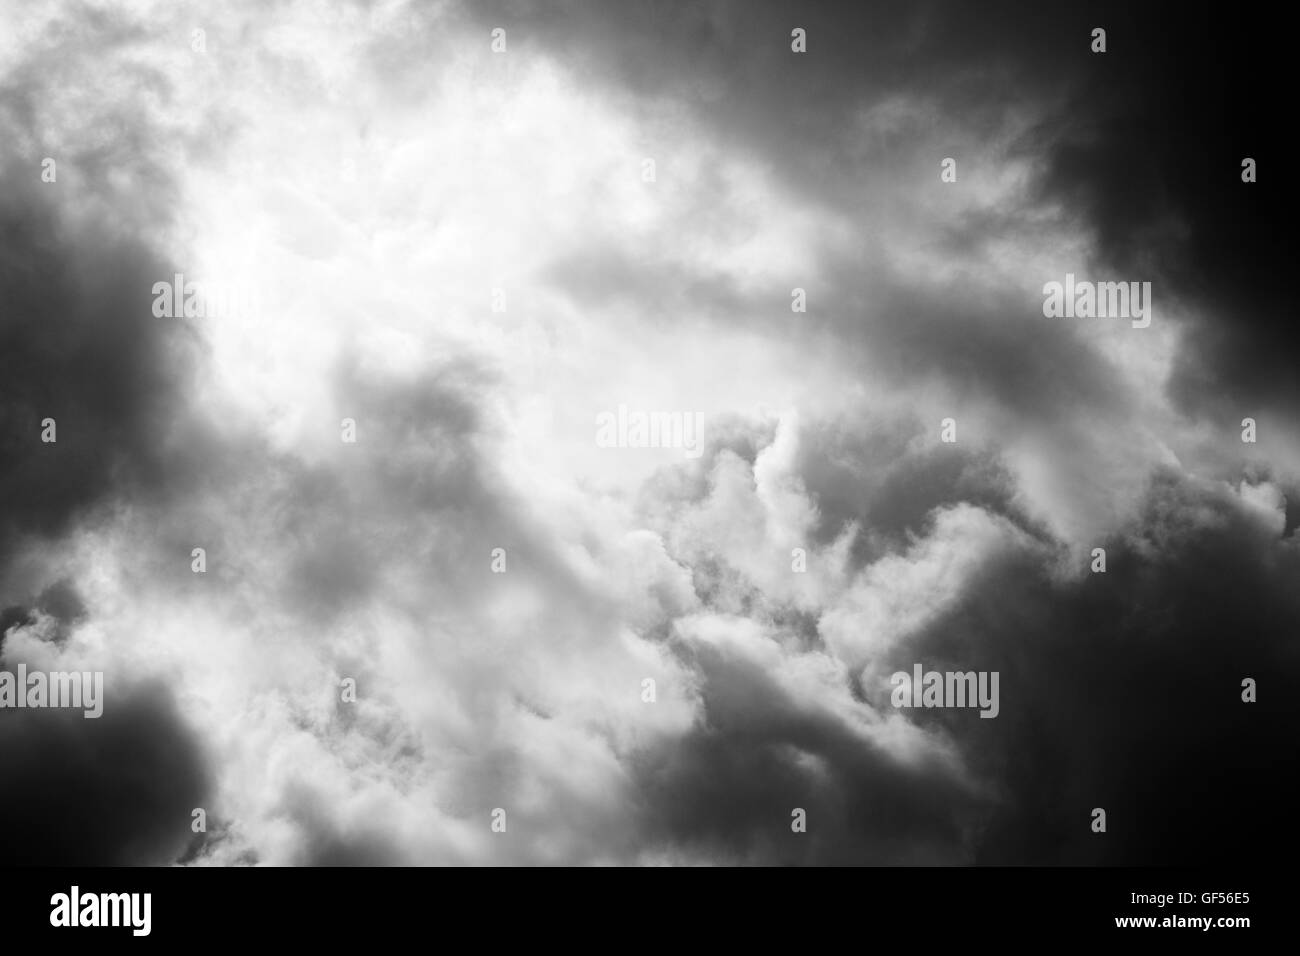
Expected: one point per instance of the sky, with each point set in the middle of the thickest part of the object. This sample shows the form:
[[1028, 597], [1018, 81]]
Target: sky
[[471, 246]]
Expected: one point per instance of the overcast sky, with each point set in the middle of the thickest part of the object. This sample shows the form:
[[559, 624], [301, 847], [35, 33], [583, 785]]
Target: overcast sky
[[461, 250]]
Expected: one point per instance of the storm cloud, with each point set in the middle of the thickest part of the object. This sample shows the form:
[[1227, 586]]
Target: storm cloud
[[365, 585]]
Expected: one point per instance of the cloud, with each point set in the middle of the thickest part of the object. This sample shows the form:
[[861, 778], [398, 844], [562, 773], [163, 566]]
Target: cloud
[[378, 175], [117, 790]]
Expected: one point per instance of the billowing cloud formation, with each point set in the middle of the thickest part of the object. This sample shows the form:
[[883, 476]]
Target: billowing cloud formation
[[462, 258]]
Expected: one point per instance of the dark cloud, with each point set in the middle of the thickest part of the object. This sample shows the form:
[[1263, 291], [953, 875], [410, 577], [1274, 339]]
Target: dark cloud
[[1142, 147], [1123, 691], [116, 790], [61, 601], [13, 616], [1149, 152], [726, 791], [80, 344], [1120, 691], [878, 474]]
